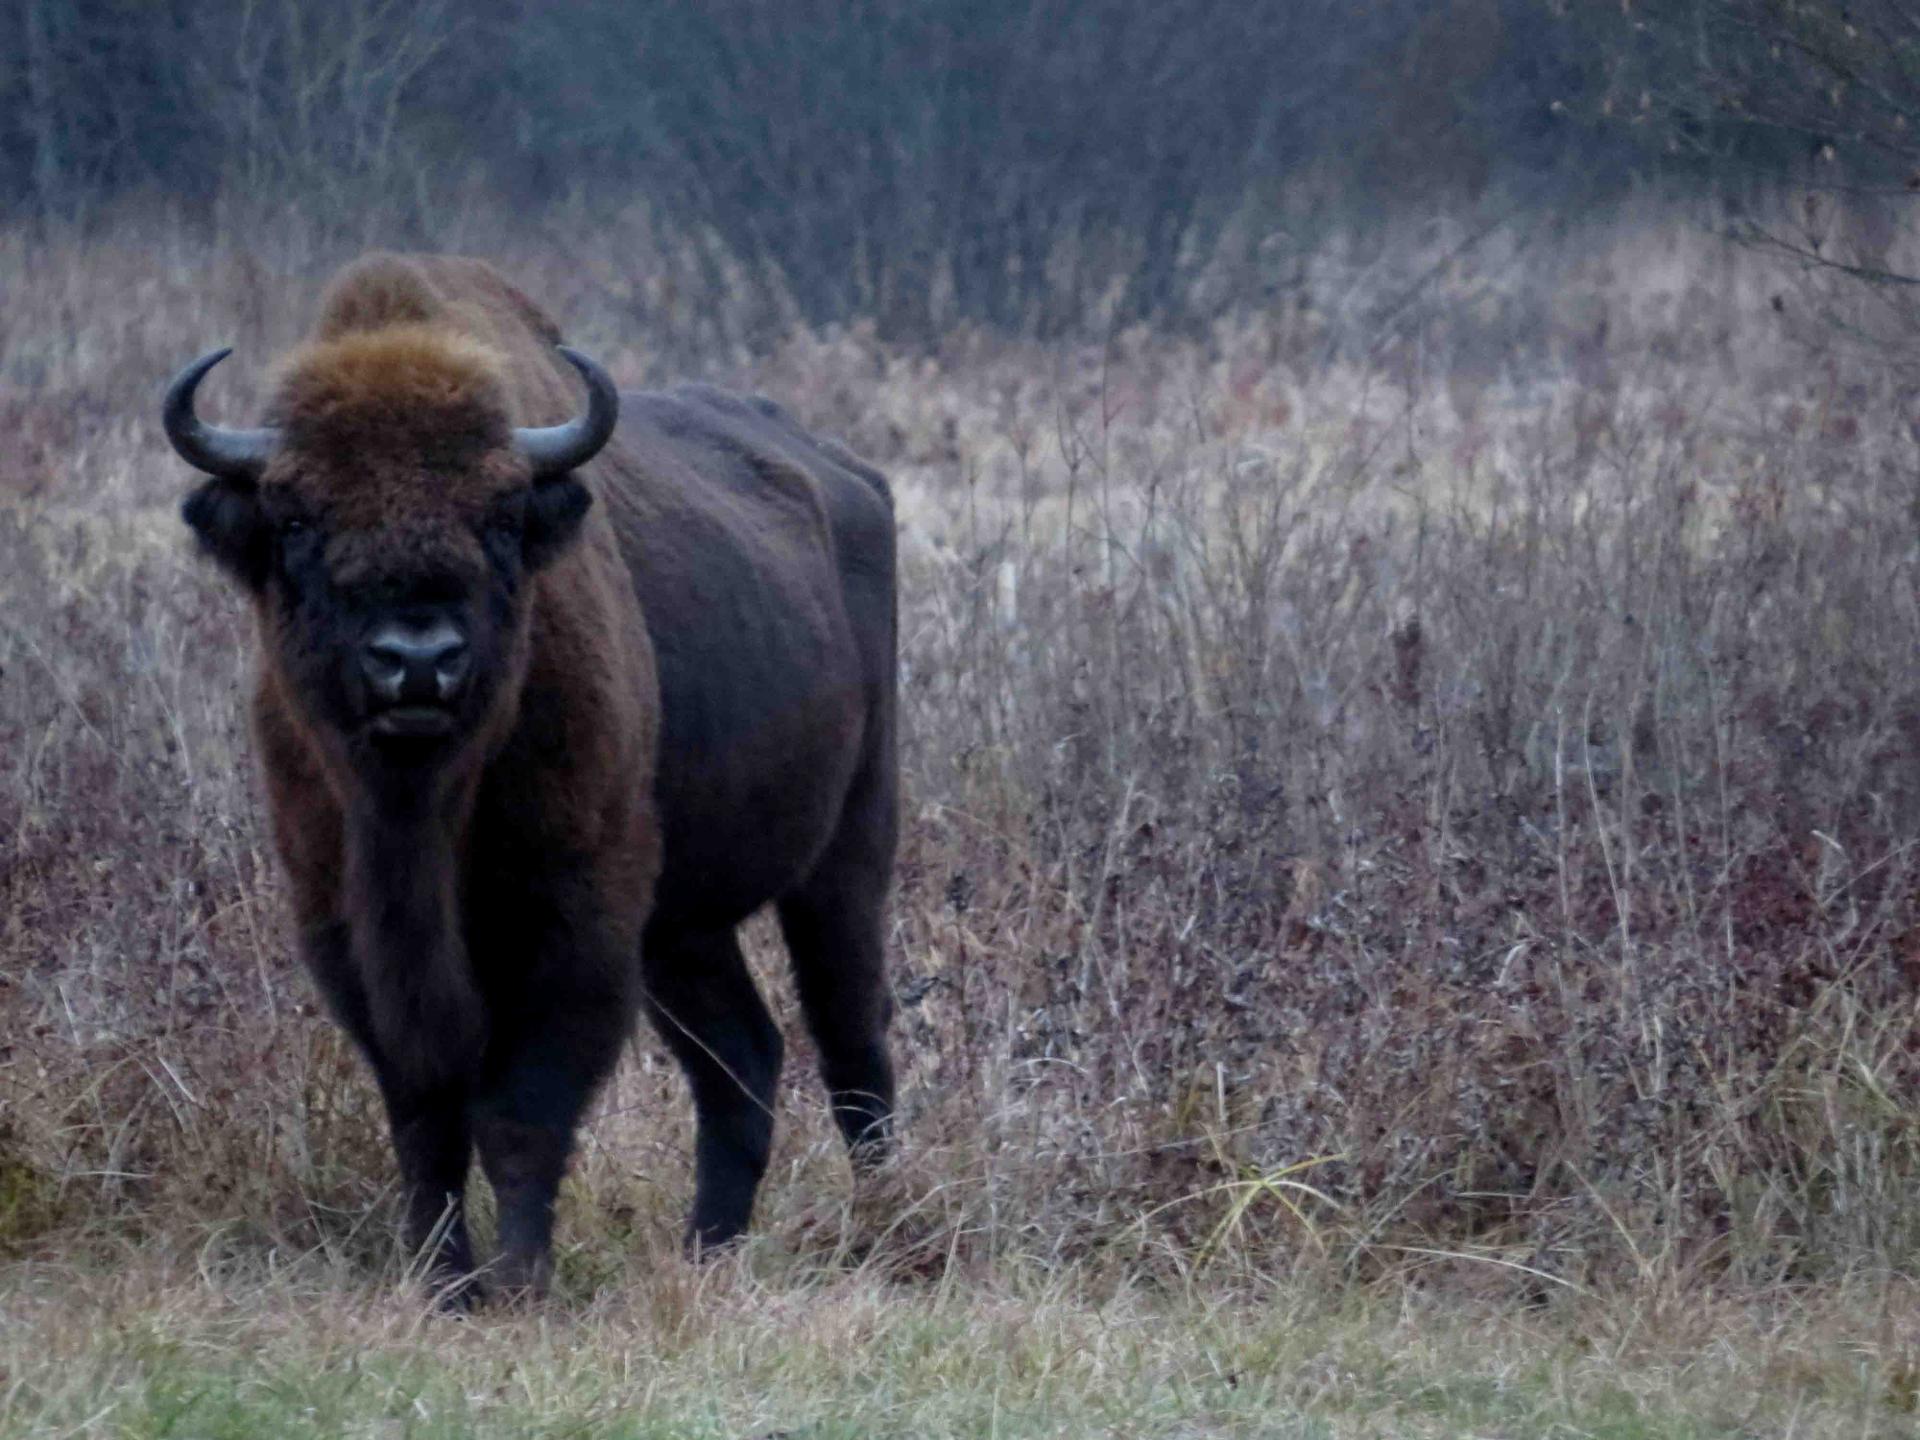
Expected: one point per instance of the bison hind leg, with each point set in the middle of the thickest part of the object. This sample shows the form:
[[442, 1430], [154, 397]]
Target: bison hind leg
[[833, 932], [703, 1002]]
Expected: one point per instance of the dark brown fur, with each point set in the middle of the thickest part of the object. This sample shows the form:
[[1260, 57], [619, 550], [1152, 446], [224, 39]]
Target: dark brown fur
[[691, 715]]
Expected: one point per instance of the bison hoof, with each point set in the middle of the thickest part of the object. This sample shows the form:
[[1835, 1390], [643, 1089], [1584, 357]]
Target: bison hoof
[[458, 1295], [519, 1281], [704, 1246]]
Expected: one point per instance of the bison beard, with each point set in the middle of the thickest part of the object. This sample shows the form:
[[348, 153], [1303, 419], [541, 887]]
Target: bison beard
[[408, 951], [542, 722]]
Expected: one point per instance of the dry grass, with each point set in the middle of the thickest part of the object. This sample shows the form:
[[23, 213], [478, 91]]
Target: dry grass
[[1406, 923]]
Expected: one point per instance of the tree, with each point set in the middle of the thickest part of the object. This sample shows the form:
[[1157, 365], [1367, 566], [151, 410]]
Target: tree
[[1811, 101]]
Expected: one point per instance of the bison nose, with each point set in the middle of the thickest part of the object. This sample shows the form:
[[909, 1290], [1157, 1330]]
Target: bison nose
[[412, 664]]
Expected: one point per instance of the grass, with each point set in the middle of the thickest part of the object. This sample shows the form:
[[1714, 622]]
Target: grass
[[1406, 921], [762, 1346]]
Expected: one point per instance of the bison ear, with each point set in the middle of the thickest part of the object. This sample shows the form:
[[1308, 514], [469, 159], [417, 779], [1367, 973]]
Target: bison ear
[[554, 513], [225, 517]]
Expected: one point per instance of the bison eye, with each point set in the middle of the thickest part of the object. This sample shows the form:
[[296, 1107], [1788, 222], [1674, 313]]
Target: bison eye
[[295, 537], [500, 534]]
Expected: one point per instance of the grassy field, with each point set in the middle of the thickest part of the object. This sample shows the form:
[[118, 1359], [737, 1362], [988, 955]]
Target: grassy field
[[1406, 922], [760, 1348]]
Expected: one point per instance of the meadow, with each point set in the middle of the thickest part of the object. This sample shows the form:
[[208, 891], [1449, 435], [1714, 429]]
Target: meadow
[[1406, 923]]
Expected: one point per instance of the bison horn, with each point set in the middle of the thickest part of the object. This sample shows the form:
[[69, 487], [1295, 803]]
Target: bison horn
[[553, 450], [232, 454]]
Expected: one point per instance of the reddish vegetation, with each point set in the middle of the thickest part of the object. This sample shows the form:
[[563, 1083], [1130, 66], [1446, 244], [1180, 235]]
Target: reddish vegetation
[[1483, 763]]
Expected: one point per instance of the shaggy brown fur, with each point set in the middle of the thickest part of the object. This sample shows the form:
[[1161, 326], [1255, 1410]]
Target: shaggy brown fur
[[696, 687]]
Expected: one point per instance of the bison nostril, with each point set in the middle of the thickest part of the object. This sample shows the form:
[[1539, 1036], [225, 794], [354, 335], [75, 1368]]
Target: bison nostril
[[450, 670], [415, 663], [385, 671]]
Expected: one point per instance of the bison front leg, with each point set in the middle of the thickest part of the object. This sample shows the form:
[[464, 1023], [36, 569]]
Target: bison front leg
[[434, 1148], [543, 1067], [428, 1123]]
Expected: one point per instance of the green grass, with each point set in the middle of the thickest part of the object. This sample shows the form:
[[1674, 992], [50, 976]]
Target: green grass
[[183, 1347]]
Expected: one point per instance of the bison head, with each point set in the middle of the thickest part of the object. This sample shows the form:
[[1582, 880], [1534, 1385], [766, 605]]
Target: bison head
[[386, 524]]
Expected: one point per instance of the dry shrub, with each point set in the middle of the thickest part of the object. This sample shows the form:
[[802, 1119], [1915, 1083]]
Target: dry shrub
[[1382, 781]]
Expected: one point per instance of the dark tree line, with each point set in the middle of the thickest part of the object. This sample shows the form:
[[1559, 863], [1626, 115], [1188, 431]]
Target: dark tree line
[[1825, 96], [1018, 162]]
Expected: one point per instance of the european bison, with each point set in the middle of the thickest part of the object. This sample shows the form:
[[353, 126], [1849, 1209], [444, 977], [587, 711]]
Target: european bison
[[538, 733]]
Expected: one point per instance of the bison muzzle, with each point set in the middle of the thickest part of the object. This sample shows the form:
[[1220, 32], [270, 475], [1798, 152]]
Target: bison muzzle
[[546, 707]]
